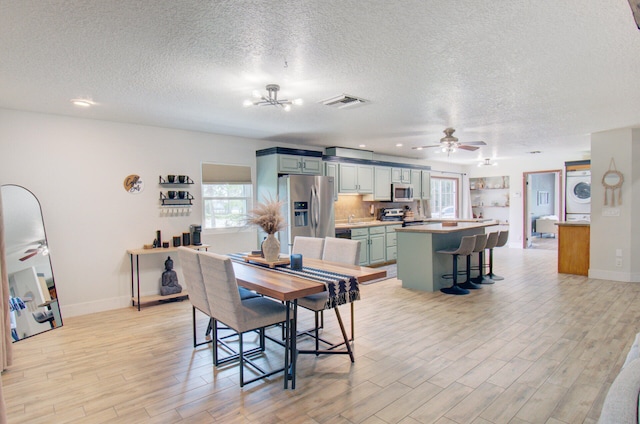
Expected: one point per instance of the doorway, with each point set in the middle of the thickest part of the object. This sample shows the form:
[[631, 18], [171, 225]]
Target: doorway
[[543, 205]]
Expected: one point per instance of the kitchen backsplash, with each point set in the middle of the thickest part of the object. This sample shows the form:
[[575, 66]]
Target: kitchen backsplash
[[354, 205]]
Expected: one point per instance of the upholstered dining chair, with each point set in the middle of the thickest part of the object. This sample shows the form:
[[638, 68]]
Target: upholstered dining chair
[[342, 251], [241, 315], [308, 247], [197, 293]]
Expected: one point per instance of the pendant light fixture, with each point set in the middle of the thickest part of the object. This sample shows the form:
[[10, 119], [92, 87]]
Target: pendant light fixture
[[487, 162], [271, 99]]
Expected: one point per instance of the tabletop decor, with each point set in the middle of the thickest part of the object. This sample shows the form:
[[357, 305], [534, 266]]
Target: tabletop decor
[[268, 216]]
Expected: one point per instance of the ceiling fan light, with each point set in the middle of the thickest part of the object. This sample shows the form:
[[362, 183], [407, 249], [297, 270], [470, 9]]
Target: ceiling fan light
[[287, 108], [247, 103], [256, 94], [298, 102]]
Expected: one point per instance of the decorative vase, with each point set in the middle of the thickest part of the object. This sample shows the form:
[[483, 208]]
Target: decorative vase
[[271, 248]]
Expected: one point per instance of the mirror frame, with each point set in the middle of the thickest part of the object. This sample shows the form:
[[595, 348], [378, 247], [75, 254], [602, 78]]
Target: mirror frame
[[49, 309]]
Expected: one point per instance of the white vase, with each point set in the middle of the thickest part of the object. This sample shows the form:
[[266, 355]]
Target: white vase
[[271, 248]]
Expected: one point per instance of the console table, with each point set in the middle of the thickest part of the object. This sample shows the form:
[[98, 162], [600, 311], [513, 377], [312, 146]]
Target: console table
[[135, 282]]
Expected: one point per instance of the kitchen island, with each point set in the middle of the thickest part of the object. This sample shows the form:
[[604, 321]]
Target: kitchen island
[[420, 267]]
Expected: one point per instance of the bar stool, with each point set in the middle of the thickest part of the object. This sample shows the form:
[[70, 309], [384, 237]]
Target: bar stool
[[466, 247], [481, 241], [503, 236], [479, 248]]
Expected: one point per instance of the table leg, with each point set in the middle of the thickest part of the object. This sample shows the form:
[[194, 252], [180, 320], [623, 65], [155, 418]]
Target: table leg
[[287, 346], [294, 348], [131, 266], [138, 278]]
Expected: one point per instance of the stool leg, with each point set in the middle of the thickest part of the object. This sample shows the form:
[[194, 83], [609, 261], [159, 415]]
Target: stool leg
[[468, 284], [455, 288], [491, 275], [481, 279]]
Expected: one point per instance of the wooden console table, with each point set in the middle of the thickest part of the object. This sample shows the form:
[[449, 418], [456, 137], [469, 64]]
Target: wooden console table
[[135, 282]]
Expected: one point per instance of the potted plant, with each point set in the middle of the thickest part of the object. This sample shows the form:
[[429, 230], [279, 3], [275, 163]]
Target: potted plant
[[268, 216]]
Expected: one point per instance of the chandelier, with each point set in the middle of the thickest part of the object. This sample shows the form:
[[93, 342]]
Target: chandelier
[[487, 162], [271, 99]]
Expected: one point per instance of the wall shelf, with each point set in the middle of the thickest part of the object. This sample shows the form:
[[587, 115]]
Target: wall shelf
[[162, 181]]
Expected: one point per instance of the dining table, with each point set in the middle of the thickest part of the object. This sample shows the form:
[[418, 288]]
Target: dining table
[[279, 283]]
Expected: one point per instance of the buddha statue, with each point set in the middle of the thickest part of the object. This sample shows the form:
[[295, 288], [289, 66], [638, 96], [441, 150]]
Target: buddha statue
[[170, 283]]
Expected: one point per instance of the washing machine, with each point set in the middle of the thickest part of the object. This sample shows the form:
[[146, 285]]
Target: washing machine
[[578, 194]]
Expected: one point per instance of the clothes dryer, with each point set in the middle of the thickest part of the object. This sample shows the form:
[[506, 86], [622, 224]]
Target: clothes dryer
[[578, 192]]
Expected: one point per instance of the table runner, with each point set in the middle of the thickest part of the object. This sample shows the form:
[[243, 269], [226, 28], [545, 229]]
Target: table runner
[[342, 288]]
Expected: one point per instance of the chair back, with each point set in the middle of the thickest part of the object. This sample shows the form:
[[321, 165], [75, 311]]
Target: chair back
[[467, 246], [193, 279], [492, 240], [341, 250], [502, 238], [308, 247], [222, 289], [481, 242]]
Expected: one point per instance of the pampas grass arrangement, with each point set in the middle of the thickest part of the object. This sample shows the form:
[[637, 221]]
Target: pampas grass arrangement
[[268, 216]]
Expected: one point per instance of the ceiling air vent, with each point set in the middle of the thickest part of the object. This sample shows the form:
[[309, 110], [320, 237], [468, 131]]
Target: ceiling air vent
[[344, 101]]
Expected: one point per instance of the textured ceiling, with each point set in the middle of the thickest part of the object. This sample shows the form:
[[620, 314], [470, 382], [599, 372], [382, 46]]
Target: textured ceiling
[[521, 75]]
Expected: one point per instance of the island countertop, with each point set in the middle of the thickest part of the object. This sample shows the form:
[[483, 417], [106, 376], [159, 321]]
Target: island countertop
[[438, 228]]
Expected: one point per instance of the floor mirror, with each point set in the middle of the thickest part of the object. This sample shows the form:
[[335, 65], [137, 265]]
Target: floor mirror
[[33, 301]]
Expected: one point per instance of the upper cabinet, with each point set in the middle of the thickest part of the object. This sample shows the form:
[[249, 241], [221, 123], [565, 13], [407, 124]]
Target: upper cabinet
[[421, 182], [381, 185], [401, 175], [290, 164], [331, 170], [355, 178]]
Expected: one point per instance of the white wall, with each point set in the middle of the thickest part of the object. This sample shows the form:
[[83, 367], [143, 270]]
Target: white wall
[[609, 233], [76, 168]]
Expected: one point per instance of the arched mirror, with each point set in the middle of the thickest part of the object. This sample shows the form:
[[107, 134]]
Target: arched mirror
[[33, 300]]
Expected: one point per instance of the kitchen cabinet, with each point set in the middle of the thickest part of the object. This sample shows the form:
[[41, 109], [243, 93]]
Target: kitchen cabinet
[[331, 170], [291, 164], [372, 244], [421, 182], [355, 178], [401, 175], [381, 185], [392, 242]]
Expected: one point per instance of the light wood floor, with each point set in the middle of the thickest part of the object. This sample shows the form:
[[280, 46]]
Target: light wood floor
[[537, 347]]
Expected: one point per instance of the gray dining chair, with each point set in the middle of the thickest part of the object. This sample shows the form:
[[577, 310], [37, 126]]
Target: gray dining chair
[[197, 293], [308, 247], [341, 251], [242, 315]]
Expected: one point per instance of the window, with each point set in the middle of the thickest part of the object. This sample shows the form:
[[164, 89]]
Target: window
[[444, 197], [227, 194]]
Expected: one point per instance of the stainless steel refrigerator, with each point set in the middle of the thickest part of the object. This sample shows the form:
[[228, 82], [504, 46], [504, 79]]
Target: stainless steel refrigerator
[[308, 207]]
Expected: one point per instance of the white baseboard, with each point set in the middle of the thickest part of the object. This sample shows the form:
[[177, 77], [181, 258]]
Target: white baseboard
[[93, 307], [626, 277]]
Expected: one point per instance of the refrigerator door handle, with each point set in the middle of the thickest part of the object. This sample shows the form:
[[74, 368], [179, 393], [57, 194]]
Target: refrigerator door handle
[[313, 220]]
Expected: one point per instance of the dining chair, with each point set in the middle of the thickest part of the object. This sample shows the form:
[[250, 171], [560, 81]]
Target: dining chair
[[308, 247], [197, 293], [342, 251], [242, 315]]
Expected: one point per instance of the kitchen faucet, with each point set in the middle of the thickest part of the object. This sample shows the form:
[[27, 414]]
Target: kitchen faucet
[[350, 220]]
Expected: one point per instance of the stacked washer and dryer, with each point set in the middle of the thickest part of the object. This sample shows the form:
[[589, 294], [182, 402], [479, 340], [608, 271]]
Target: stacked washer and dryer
[[578, 202]]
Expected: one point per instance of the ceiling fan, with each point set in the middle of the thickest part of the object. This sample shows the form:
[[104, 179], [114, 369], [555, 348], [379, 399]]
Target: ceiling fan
[[450, 144], [30, 253]]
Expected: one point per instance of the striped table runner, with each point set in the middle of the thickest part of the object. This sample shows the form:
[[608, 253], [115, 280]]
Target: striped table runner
[[341, 288]]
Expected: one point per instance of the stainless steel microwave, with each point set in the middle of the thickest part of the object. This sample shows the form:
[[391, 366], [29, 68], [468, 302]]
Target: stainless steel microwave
[[401, 193]]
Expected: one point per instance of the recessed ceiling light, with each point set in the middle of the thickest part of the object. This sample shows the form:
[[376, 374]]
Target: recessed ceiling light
[[363, 145], [82, 102], [399, 145]]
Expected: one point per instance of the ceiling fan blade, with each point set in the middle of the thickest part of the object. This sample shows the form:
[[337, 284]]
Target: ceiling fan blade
[[30, 255], [475, 143], [465, 147], [426, 147]]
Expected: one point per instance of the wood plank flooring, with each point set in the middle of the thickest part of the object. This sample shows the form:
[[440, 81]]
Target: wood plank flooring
[[538, 347]]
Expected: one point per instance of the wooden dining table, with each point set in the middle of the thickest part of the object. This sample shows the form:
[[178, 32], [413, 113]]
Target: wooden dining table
[[289, 288]]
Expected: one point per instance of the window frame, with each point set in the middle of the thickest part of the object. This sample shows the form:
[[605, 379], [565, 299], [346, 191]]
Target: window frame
[[437, 197]]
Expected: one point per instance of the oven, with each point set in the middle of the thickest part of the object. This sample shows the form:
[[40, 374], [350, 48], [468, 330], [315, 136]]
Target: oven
[[344, 233]]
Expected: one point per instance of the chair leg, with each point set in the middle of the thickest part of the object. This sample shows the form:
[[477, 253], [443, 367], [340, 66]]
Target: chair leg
[[455, 288], [482, 279], [317, 337], [491, 275], [468, 284], [353, 322], [215, 342], [241, 359]]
